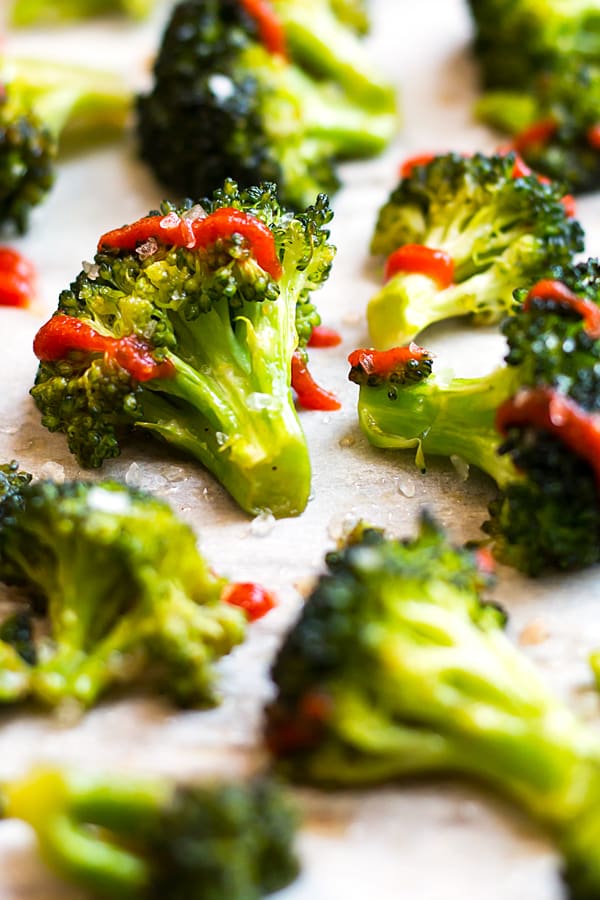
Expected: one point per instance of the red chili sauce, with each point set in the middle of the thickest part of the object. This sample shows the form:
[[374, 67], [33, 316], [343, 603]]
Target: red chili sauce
[[254, 599], [416, 258], [310, 394], [17, 278], [324, 337], [551, 290], [269, 24], [385, 362]]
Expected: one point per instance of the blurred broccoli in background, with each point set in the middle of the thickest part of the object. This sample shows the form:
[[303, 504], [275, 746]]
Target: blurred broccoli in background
[[46, 107], [25, 13], [130, 838], [229, 102], [127, 597], [398, 668]]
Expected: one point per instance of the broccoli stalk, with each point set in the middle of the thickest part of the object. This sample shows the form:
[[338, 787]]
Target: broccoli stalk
[[548, 514], [353, 13], [25, 13], [43, 107], [446, 691], [226, 106], [127, 596], [495, 228], [219, 332], [223, 842]]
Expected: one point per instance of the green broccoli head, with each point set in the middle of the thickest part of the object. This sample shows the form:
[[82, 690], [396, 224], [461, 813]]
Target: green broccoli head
[[230, 841], [218, 332], [397, 667], [127, 595], [495, 228], [41, 102], [547, 515], [224, 106], [555, 124], [514, 41], [25, 13]]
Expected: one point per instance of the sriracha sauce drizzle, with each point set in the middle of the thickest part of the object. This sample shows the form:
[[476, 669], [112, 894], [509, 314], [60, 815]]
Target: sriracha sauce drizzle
[[324, 337], [555, 291], [310, 394], [551, 411], [180, 231], [17, 278], [385, 362], [418, 259], [63, 334], [254, 599], [269, 24]]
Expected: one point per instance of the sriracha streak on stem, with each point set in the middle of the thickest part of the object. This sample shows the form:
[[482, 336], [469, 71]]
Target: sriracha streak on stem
[[63, 334], [254, 599], [551, 411], [180, 231], [384, 363], [269, 24], [17, 277], [310, 394], [436, 264], [322, 336], [557, 292]]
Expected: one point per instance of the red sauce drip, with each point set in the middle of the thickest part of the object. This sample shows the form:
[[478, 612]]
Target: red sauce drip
[[421, 159], [385, 362], [416, 258], [593, 136], [17, 278], [310, 394], [568, 201], [254, 599], [485, 561], [556, 413], [556, 291], [63, 334], [269, 24], [324, 337], [196, 233], [538, 133]]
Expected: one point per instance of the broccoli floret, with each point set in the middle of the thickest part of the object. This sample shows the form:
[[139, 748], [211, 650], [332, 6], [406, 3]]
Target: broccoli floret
[[127, 596], [224, 106], [221, 332], [40, 12], [43, 106], [397, 667], [556, 123], [548, 515], [516, 40], [137, 839], [494, 228]]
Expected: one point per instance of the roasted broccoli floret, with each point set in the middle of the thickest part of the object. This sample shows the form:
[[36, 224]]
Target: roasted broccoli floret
[[460, 235], [43, 106], [225, 105], [556, 124], [192, 319], [398, 668], [517, 39], [128, 598], [548, 515], [40, 12], [122, 836]]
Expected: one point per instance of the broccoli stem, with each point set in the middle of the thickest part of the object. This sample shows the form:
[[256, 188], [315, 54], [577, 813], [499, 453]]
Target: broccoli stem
[[39, 12], [443, 419]]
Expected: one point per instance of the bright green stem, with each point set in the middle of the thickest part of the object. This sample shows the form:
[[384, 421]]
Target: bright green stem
[[41, 12], [453, 419]]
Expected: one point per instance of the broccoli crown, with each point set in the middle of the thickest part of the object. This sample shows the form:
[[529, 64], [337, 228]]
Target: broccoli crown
[[230, 841], [126, 593], [515, 41], [498, 228], [37, 12], [40, 102], [397, 667], [223, 106], [224, 328]]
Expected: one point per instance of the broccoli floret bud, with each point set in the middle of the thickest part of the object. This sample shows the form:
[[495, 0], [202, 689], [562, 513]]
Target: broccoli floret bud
[[38, 12], [221, 332], [41, 103], [230, 841], [496, 229], [398, 668], [127, 595], [223, 106]]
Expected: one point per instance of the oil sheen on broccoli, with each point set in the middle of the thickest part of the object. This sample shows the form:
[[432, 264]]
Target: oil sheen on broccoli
[[496, 229], [40, 12], [219, 328], [44, 107], [548, 514], [398, 668], [229, 841], [224, 105], [127, 598]]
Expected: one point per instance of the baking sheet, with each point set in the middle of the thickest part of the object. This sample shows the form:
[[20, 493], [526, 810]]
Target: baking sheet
[[435, 841]]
